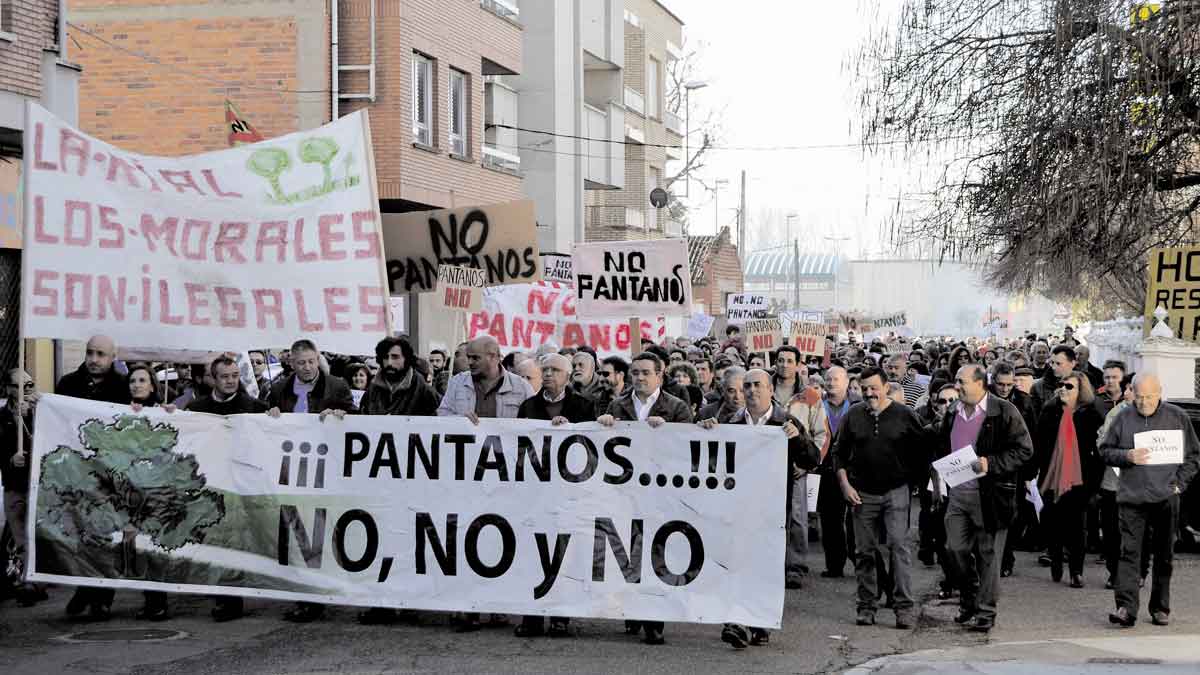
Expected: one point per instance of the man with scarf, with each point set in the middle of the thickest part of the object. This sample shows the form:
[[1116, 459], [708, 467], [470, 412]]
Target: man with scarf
[[980, 511], [397, 389]]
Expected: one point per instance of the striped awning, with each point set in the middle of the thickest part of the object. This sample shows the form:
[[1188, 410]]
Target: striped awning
[[777, 264]]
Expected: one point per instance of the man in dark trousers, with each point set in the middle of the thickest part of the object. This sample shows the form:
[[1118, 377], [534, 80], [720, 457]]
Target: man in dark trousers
[[95, 380], [647, 402], [557, 403], [227, 398], [1147, 496], [981, 510], [397, 389], [881, 450], [837, 530], [803, 455], [309, 390], [1004, 386]]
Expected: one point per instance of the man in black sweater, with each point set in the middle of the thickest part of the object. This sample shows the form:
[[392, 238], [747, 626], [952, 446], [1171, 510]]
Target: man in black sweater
[[881, 449]]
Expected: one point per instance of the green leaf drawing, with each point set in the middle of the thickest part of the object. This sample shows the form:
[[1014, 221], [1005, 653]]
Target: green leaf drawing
[[321, 151], [270, 163]]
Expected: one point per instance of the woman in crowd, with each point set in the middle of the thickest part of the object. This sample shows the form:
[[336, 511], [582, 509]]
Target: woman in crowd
[[685, 375], [1069, 470], [358, 376], [144, 393]]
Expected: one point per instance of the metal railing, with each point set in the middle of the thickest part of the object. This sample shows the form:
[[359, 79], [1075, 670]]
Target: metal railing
[[507, 9], [635, 101], [615, 216], [494, 158]]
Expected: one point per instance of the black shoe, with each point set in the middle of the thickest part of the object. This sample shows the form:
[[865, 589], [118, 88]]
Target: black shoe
[[735, 636], [378, 616], [633, 627], [926, 558], [149, 613], [78, 602], [304, 612], [760, 637], [28, 597], [830, 574], [1044, 560], [99, 612], [529, 629], [1056, 573], [1076, 581], [227, 611], [1122, 618], [559, 628], [946, 593], [1005, 572], [890, 602], [980, 626], [654, 636], [964, 616], [1160, 618], [865, 618]]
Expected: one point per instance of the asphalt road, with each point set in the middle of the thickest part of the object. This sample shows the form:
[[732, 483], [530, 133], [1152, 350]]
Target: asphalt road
[[819, 636]]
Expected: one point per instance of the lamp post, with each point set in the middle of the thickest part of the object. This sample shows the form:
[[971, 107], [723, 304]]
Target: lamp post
[[688, 87], [838, 241], [795, 266]]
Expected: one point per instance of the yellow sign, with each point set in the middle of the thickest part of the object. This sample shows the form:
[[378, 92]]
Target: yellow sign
[[1173, 283]]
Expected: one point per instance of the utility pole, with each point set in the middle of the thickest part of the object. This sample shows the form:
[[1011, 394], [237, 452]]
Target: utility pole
[[796, 274], [742, 223]]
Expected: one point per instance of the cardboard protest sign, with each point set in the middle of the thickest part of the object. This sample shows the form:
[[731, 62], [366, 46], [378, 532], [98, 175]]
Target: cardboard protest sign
[[699, 325], [742, 307], [500, 239], [1173, 282], [509, 516], [632, 278], [254, 245], [808, 337], [460, 289], [557, 268], [763, 335], [523, 317]]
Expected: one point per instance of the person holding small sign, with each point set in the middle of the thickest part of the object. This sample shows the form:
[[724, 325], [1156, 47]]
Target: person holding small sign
[[1155, 447], [981, 509]]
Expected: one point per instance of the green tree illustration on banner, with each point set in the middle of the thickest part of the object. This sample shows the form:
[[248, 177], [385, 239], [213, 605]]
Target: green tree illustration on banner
[[126, 479], [272, 163]]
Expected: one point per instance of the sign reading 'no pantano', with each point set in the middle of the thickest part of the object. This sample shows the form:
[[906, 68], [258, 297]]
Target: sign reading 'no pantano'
[[633, 278]]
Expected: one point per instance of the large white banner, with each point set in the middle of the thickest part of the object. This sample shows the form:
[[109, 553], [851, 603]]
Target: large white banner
[[633, 278], [523, 317], [254, 245], [513, 516]]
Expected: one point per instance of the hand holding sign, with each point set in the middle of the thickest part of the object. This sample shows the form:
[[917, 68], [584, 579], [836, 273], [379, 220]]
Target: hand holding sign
[[958, 467], [1158, 447]]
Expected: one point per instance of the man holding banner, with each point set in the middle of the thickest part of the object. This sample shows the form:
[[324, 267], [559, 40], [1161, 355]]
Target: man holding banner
[[647, 402]]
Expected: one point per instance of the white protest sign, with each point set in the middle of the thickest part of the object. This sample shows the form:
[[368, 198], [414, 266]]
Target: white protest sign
[[762, 335], [396, 306], [500, 239], [557, 267], [808, 337], [813, 489], [955, 468], [633, 278], [699, 325], [425, 513], [460, 289], [1166, 446], [523, 317], [229, 250], [742, 307]]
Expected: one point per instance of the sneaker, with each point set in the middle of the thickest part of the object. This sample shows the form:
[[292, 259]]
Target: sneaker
[[1160, 618], [865, 618], [735, 636]]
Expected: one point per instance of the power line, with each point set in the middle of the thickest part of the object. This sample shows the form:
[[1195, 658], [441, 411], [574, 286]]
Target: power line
[[190, 73]]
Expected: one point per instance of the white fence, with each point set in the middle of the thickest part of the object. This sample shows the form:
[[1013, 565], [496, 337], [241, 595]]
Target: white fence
[[1113, 340]]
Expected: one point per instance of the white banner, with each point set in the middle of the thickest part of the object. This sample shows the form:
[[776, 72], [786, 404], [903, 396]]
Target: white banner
[[523, 317], [743, 307], [229, 250], [633, 278], [510, 516]]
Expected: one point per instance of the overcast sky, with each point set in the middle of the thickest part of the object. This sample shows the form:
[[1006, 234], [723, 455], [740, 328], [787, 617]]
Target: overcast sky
[[780, 71]]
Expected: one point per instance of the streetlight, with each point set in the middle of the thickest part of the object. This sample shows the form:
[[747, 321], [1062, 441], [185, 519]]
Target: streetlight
[[795, 271], [717, 204], [839, 241], [687, 127]]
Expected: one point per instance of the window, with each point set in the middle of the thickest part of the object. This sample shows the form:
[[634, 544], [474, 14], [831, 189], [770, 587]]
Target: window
[[459, 113], [6, 19], [422, 103], [500, 143], [652, 93]]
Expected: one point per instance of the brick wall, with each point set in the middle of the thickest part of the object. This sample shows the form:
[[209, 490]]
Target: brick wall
[[34, 22], [722, 274]]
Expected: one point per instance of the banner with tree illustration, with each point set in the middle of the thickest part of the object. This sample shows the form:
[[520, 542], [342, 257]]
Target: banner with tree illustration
[[513, 516], [228, 250]]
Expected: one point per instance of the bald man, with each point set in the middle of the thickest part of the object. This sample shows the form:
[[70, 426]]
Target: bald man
[[486, 389], [95, 380], [1147, 496]]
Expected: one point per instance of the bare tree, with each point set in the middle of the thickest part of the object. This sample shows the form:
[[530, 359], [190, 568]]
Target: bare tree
[[706, 124], [1068, 131]]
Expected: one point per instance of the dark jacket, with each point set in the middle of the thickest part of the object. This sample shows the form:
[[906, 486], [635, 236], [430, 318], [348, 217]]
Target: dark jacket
[[668, 407], [1150, 483], [413, 397], [1087, 426], [1043, 390], [13, 477], [677, 390], [1024, 404], [1005, 441], [329, 393], [576, 408], [718, 411], [112, 388], [240, 404], [802, 451]]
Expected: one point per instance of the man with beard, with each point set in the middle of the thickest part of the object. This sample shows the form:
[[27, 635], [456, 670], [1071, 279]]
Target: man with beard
[[309, 390], [583, 374], [95, 380], [881, 450]]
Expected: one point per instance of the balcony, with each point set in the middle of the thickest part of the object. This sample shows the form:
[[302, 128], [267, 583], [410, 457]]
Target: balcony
[[494, 158], [615, 216], [672, 122], [505, 9], [672, 228], [635, 102]]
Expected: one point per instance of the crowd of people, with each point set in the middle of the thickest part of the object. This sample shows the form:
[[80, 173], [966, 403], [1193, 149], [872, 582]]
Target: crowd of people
[[1058, 470]]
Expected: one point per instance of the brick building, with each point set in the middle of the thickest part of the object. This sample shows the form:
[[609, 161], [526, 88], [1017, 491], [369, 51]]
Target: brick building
[[652, 38], [716, 271], [33, 67]]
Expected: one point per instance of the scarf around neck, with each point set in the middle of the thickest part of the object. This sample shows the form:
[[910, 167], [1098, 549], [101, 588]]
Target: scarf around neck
[[1064, 472]]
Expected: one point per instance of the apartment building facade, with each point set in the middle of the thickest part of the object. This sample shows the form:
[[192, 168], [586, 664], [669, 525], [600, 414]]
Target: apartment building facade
[[34, 67], [653, 135]]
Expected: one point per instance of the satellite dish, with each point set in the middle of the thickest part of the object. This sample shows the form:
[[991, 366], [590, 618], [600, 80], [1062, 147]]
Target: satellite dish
[[659, 198]]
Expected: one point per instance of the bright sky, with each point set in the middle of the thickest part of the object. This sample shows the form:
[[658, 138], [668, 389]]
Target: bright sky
[[780, 71]]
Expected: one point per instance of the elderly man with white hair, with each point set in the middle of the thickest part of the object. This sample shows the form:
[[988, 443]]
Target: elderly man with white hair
[[1148, 495]]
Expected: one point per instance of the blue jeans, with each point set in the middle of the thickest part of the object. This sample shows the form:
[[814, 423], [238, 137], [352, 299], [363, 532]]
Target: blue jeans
[[881, 526]]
